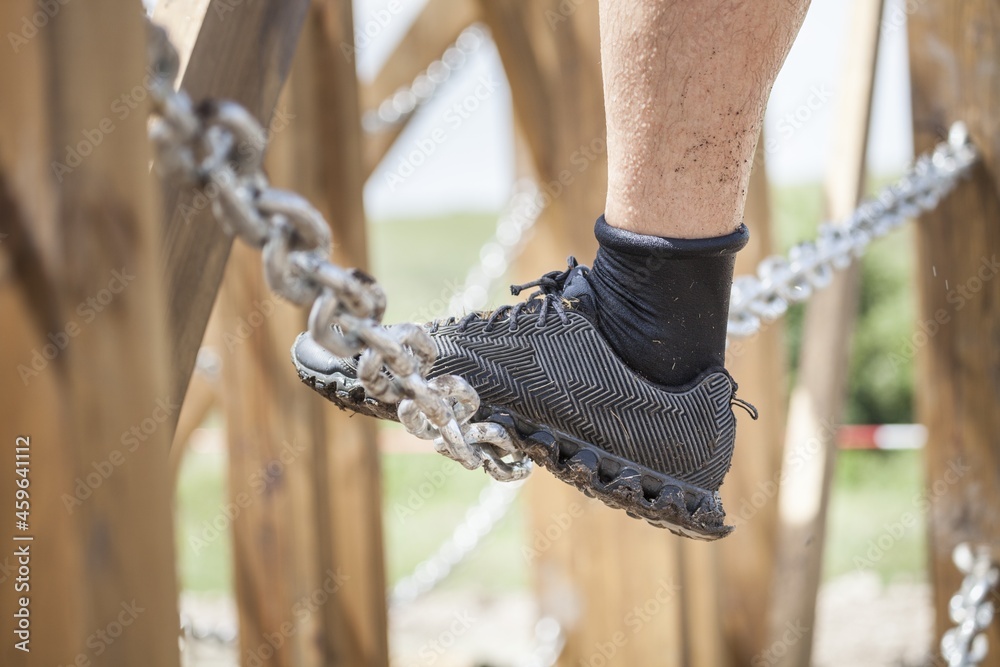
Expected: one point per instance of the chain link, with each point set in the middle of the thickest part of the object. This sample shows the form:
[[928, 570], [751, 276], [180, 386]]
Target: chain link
[[966, 645], [401, 105], [218, 148], [780, 282], [550, 639]]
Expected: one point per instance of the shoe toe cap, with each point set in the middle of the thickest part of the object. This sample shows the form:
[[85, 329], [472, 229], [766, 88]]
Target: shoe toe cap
[[312, 358]]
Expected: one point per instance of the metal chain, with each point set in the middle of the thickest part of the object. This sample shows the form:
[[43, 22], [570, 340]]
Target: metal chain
[[550, 639], [780, 282], [971, 608], [218, 148], [499, 252], [398, 107]]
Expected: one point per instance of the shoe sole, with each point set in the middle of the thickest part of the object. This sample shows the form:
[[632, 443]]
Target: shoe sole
[[663, 501]]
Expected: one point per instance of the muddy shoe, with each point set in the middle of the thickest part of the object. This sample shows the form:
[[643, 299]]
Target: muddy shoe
[[546, 372]]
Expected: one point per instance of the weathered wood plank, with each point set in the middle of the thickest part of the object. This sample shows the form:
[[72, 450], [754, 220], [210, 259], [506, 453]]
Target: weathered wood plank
[[84, 355], [745, 559], [243, 53], [271, 432], [322, 518], [348, 469], [953, 54], [182, 20], [817, 401]]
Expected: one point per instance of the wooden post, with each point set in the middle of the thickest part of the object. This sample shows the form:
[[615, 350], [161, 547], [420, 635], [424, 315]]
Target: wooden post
[[84, 359], [817, 401], [203, 395], [953, 56], [243, 53], [745, 560], [310, 527]]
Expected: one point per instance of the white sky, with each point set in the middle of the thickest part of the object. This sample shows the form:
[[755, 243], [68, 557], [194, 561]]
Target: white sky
[[472, 169]]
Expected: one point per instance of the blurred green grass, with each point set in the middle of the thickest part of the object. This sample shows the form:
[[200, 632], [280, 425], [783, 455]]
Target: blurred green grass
[[421, 262]]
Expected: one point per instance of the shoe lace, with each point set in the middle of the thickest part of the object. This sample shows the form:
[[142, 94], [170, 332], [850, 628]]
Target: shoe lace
[[547, 298]]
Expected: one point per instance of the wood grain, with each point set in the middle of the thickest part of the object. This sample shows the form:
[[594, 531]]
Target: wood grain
[[745, 559], [317, 529], [83, 279], [243, 53], [954, 52], [818, 398]]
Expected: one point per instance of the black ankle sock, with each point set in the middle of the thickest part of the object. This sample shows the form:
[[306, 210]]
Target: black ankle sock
[[663, 304]]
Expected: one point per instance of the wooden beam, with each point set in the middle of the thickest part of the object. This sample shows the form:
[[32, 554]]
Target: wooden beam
[[953, 54], [530, 58], [556, 85], [271, 434], [348, 470], [84, 372], [745, 559], [818, 399], [436, 27], [182, 20], [243, 53], [204, 395], [321, 518]]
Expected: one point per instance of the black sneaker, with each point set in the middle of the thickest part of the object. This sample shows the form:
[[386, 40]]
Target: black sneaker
[[545, 373]]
